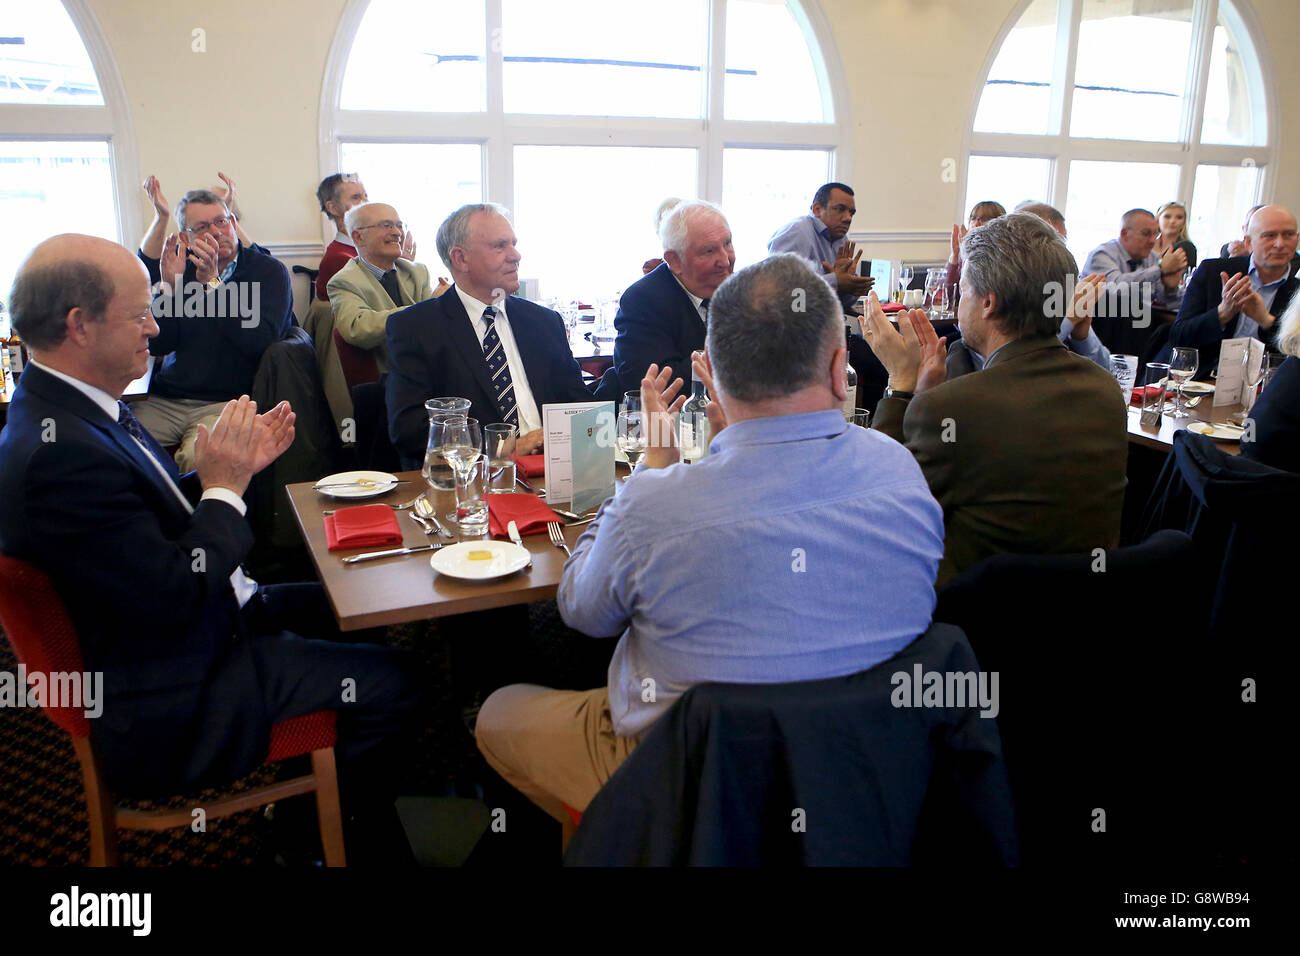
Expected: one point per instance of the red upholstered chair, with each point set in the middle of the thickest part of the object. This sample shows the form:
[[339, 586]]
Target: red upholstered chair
[[38, 626], [359, 365]]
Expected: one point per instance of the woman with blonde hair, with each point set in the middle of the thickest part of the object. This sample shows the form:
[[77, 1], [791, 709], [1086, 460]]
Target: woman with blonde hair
[[1172, 220], [1276, 415]]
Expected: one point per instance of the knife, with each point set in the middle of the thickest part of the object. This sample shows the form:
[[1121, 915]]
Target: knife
[[512, 530], [522, 484], [362, 484], [390, 553]]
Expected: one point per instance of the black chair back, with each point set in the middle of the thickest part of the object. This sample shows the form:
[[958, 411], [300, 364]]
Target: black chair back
[[375, 450]]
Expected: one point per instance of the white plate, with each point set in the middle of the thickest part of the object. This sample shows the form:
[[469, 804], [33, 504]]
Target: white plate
[[384, 482], [1198, 388], [453, 560], [1216, 430]]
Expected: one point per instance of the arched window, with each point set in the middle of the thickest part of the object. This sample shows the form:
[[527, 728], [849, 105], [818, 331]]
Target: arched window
[[1098, 106], [62, 111], [582, 116]]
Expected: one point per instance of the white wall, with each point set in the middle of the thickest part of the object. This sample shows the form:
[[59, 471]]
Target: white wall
[[249, 105]]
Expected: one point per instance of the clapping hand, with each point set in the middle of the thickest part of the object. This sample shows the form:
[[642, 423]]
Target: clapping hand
[[912, 354], [659, 403], [408, 248], [241, 444], [1083, 305], [204, 251], [717, 417], [153, 189], [958, 234], [1240, 296]]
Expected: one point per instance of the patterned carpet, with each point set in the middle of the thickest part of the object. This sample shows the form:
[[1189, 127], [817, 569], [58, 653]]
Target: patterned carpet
[[42, 804]]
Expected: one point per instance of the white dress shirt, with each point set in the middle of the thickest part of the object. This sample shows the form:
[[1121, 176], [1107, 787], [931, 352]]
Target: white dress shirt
[[529, 418], [244, 586], [696, 301]]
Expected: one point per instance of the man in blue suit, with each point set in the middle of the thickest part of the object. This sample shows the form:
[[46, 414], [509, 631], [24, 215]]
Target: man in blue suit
[[661, 317], [508, 356], [197, 660]]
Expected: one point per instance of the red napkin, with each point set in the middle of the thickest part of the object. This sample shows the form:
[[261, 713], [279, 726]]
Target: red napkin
[[891, 307], [531, 466], [1150, 390], [365, 526], [527, 511]]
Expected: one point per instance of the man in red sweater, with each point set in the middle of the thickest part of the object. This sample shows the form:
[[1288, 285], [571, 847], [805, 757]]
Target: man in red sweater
[[337, 194]]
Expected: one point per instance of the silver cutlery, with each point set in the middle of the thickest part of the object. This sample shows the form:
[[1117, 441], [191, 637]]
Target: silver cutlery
[[428, 528], [401, 507], [512, 530], [556, 532], [571, 518], [425, 510], [522, 484], [391, 552], [364, 483]]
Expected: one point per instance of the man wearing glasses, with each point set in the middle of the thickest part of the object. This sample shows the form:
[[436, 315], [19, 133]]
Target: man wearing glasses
[[1241, 296], [218, 306], [378, 282], [1131, 260]]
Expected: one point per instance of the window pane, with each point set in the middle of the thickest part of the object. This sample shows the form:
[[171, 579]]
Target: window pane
[[1006, 180], [763, 189], [425, 182], [1220, 199], [417, 56], [52, 188], [573, 254], [770, 73], [42, 58], [1228, 114], [1131, 69], [1017, 95], [586, 57], [1100, 193]]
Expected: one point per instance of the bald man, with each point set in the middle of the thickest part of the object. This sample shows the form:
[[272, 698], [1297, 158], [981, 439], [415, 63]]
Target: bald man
[[196, 661], [1241, 296]]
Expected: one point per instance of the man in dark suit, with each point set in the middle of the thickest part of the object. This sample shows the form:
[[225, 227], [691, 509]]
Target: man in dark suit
[[661, 317], [196, 659], [1027, 455], [508, 356], [1244, 295]]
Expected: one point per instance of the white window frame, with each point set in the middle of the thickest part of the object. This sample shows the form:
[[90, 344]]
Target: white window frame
[[109, 123], [499, 132], [1188, 152]]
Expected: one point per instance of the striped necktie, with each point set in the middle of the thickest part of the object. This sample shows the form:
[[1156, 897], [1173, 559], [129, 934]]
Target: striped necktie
[[128, 421], [502, 387]]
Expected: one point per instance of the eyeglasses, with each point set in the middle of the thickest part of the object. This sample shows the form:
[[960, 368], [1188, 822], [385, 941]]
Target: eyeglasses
[[221, 222], [386, 224], [1145, 233]]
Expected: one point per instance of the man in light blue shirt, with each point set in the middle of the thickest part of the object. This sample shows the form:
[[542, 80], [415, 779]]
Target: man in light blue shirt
[[800, 548], [820, 238], [1131, 260]]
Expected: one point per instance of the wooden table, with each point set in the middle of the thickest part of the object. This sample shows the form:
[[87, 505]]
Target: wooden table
[[1162, 438], [400, 589]]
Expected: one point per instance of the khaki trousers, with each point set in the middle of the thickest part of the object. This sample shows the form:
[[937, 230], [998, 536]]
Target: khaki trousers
[[556, 747]]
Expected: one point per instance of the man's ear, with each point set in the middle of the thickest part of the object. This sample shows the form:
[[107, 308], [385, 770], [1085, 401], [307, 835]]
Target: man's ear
[[839, 377], [356, 238], [332, 210], [674, 261], [458, 261], [818, 209], [76, 321]]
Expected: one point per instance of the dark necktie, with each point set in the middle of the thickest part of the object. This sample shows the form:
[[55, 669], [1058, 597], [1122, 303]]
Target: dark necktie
[[495, 356], [389, 282], [136, 431], [1133, 264], [704, 307]]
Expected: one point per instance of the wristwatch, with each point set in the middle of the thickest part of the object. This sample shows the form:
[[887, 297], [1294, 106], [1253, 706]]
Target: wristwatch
[[214, 282], [898, 393]]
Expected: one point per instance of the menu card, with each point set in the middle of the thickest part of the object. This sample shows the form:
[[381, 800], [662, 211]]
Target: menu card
[[592, 452], [1231, 386], [558, 449]]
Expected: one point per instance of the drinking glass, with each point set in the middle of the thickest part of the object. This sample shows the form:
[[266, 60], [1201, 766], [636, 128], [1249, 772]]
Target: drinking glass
[[499, 443], [472, 481], [459, 443], [1255, 383], [1182, 366], [435, 469], [862, 418], [631, 436], [936, 280], [904, 280], [1125, 370], [1154, 381]]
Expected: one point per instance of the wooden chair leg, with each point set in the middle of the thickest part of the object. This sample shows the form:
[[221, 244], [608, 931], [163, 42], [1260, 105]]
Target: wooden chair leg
[[100, 808], [327, 806]]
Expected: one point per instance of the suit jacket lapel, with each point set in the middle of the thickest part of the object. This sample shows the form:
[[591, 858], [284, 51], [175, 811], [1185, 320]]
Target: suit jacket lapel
[[532, 347], [672, 287], [460, 333]]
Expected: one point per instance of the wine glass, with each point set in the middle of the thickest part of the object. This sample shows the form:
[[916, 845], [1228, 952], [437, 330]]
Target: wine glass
[[935, 289], [1182, 366], [1256, 378], [631, 436], [460, 442], [904, 280]]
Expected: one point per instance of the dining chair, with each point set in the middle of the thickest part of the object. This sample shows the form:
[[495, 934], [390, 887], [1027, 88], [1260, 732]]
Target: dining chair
[[43, 637]]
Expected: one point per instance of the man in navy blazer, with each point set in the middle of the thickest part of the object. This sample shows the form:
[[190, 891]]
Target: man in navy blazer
[[196, 659], [1241, 296], [661, 317], [508, 356]]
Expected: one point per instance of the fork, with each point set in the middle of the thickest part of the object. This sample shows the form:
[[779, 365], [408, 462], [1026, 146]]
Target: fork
[[557, 536], [402, 507]]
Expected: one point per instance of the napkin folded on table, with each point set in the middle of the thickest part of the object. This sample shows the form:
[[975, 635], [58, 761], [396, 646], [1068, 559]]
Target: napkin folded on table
[[529, 512], [1150, 391], [364, 526], [531, 466], [891, 307]]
